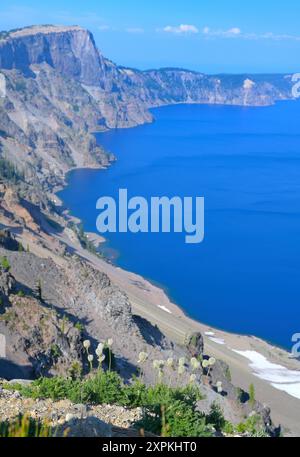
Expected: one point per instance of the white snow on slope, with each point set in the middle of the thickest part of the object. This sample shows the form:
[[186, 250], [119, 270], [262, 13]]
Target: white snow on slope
[[280, 377]]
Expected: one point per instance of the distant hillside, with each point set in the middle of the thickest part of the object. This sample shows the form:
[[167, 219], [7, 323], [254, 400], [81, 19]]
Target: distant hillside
[[60, 87]]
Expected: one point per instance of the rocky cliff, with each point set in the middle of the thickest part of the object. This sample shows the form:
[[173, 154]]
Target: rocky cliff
[[69, 50], [59, 87]]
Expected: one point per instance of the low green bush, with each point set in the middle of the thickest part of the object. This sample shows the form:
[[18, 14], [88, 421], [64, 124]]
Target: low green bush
[[215, 417], [5, 263], [252, 426], [168, 411]]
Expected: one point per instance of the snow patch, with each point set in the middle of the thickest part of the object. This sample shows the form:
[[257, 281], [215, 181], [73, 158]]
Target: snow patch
[[164, 309], [217, 340], [248, 84], [279, 376]]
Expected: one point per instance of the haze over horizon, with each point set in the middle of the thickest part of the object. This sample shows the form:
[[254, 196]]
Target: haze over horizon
[[212, 37]]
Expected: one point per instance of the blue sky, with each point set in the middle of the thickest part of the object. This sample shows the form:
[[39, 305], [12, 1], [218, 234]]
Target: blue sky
[[206, 35]]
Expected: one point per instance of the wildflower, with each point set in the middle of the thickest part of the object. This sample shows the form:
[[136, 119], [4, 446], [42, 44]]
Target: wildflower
[[170, 363], [195, 364], [193, 378], [181, 361], [99, 349], [211, 361], [109, 342], [159, 366], [181, 369], [208, 364], [161, 363], [101, 358], [205, 364], [219, 387], [90, 359], [87, 344], [143, 356], [156, 364]]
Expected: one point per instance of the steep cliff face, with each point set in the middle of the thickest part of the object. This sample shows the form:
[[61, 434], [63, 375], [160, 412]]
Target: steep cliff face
[[69, 50], [47, 113], [182, 86], [59, 87], [72, 53]]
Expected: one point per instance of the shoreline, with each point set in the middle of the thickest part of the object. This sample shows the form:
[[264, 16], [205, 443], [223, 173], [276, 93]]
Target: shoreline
[[102, 240], [251, 360], [275, 375], [99, 240], [177, 309]]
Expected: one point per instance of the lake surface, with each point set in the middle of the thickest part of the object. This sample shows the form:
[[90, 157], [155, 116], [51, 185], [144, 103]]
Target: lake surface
[[245, 276]]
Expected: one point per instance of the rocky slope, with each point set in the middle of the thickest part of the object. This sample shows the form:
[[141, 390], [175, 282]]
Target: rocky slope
[[50, 305]]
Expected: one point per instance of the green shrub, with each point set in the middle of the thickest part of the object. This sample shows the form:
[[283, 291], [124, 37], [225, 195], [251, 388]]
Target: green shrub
[[252, 395], [55, 351], [167, 411], [75, 371], [79, 326], [229, 428], [252, 426], [175, 419], [55, 388], [215, 417], [105, 387], [183, 421], [228, 374], [5, 263], [170, 411]]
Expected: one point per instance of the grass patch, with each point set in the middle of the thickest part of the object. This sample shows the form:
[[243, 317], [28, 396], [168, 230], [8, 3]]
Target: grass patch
[[24, 427]]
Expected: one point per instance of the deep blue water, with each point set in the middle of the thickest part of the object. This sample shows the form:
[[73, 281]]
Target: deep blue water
[[245, 276]]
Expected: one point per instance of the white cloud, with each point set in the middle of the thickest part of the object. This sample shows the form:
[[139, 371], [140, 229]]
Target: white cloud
[[231, 33], [134, 30], [236, 32], [278, 37], [181, 29]]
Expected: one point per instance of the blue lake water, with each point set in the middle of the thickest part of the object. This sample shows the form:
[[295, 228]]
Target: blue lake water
[[245, 276]]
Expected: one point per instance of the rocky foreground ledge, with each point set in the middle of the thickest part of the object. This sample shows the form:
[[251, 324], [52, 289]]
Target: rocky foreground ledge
[[68, 419]]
